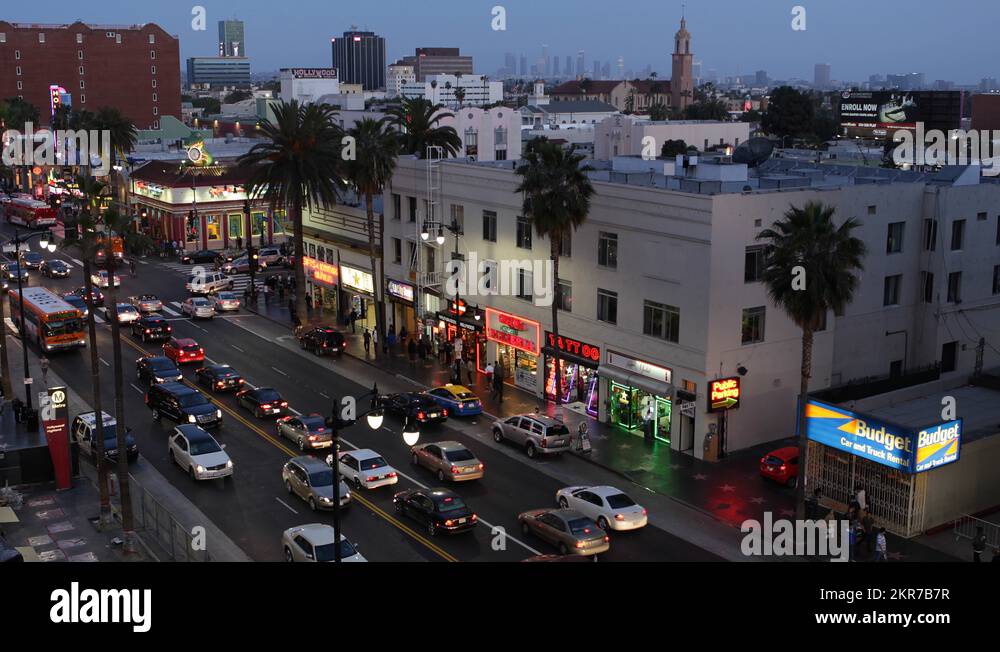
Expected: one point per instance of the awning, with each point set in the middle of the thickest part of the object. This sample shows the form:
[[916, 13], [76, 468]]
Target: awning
[[645, 383]]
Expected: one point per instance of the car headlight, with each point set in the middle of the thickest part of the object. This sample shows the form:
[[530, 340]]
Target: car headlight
[[199, 468], [218, 413], [191, 418], [229, 464], [324, 499]]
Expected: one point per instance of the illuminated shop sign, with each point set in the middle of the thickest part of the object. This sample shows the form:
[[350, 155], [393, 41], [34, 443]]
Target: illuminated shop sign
[[640, 367], [573, 347], [724, 394], [319, 272], [504, 328], [357, 279], [400, 290], [938, 445]]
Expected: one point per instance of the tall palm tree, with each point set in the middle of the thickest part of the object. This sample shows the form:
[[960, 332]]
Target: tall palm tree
[[418, 122], [296, 168], [123, 138], [807, 241], [369, 173], [557, 195], [86, 243]]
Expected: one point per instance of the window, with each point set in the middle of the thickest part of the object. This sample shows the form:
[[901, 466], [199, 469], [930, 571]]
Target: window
[[471, 142], [79, 38], [41, 37], [152, 54], [524, 284], [890, 295], [397, 207], [607, 250], [212, 227], [927, 286], [431, 262], [17, 69], [490, 226], [753, 325], [79, 55], [523, 232], [413, 208], [20, 85], [458, 216], [152, 70], [894, 239], [81, 83], [83, 99], [957, 234], [872, 209], [565, 296], [955, 287], [981, 217], [566, 245], [3, 37], [996, 279], [949, 357], [118, 38], [397, 251], [753, 266], [607, 306], [660, 320], [155, 98], [154, 83], [156, 111], [152, 39], [411, 249], [500, 155], [17, 54], [235, 223], [930, 235]]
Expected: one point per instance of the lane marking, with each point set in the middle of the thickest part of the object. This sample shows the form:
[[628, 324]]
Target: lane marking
[[280, 372], [237, 348], [137, 389], [78, 262], [286, 505], [176, 304], [104, 362], [171, 312]]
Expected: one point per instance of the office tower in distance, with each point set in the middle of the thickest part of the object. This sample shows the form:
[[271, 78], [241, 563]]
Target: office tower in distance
[[232, 41], [760, 78], [523, 68], [821, 76], [597, 69], [359, 58], [581, 69], [568, 69]]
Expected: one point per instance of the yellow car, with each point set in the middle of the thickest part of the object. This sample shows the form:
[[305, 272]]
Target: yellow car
[[458, 399]]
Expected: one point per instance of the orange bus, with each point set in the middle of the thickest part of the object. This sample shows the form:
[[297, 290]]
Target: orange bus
[[49, 321]]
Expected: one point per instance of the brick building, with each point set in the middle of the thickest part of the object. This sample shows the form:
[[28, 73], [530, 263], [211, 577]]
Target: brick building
[[135, 68]]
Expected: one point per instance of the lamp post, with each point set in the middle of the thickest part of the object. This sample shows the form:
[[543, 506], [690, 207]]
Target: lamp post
[[374, 416], [251, 257], [456, 230]]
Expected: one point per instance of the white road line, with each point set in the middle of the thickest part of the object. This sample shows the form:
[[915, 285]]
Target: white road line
[[176, 304], [287, 505], [324, 395], [98, 319], [137, 389], [171, 312], [237, 348], [280, 372], [105, 362], [78, 262], [199, 327], [140, 261]]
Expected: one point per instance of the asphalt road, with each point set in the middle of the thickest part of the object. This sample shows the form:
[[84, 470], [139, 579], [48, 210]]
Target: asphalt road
[[254, 508]]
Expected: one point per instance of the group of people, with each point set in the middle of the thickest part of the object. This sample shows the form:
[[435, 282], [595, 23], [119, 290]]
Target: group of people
[[866, 540]]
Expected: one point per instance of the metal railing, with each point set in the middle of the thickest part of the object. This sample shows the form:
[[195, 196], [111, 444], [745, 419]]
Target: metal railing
[[154, 520], [965, 527]]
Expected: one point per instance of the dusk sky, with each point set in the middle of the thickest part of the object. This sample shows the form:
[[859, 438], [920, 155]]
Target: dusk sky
[[950, 40]]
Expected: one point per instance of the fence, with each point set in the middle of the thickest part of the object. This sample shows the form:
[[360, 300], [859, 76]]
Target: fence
[[153, 519], [965, 527]]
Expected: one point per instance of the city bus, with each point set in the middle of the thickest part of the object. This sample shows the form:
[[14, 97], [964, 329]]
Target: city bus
[[49, 321], [31, 213]]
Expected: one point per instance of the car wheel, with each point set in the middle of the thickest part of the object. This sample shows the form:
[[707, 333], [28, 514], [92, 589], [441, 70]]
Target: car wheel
[[563, 502], [312, 503], [288, 554], [525, 530], [257, 413], [357, 484], [440, 475], [497, 436], [603, 524], [156, 414], [794, 480], [288, 487], [530, 450], [431, 530], [563, 550], [398, 504], [415, 460]]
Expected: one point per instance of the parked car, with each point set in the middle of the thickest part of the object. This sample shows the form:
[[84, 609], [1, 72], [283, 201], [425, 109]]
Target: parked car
[[611, 508], [125, 313], [196, 451], [182, 350], [155, 369], [263, 401], [438, 510], [307, 431], [781, 466], [225, 301], [84, 432], [566, 529], [101, 279], [459, 400], [55, 268], [323, 340], [311, 479], [536, 433], [198, 308], [151, 327], [366, 469], [219, 378], [182, 404], [314, 543], [416, 406], [77, 302], [96, 296], [449, 460], [200, 256], [146, 303]]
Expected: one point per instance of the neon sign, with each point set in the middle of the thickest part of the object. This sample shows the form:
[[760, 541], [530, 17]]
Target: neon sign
[[320, 272], [504, 328], [724, 394]]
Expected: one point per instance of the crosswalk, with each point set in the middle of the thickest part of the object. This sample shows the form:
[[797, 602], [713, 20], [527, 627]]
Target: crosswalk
[[240, 281]]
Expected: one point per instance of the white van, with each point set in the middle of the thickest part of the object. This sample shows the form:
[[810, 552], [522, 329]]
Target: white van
[[208, 283]]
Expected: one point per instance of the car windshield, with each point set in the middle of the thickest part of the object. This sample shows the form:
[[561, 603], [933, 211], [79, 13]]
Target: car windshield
[[582, 526], [325, 552], [462, 455], [321, 478], [774, 461], [162, 365], [449, 504], [373, 463], [620, 501], [267, 395], [64, 327], [155, 323], [191, 348], [314, 424], [56, 264], [200, 302], [193, 400], [147, 297], [204, 447]]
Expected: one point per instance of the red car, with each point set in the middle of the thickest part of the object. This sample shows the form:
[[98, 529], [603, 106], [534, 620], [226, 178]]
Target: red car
[[781, 465], [183, 350]]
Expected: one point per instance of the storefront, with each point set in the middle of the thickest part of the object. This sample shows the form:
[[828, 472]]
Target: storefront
[[322, 280], [399, 305], [578, 364], [357, 294], [467, 329], [516, 344], [632, 386]]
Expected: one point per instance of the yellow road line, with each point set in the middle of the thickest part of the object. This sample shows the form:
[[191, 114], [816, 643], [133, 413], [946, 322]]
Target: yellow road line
[[292, 453]]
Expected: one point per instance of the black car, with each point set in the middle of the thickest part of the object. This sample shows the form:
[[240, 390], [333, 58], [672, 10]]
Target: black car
[[10, 272], [438, 510], [323, 340], [219, 378], [157, 369], [416, 406], [54, 268], [32, 259], [183, 405], [201, 256], [151, 327], [263, 401], [77, 302], [96, 296]]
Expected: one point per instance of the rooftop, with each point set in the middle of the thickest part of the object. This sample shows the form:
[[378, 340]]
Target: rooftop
[[980, 411]]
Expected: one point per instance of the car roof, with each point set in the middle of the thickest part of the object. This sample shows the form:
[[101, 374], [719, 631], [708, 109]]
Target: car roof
[[449, 445], [152, 318], [455, 389], [186, 341], [89, 418], [194, 433], [604, 490], [566, 513], [542, 419], [438, 493], [310, 463], [364, 454], [317, 533], [175, 388]]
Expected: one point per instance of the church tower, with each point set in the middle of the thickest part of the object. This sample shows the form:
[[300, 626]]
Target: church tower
[[681, 81]]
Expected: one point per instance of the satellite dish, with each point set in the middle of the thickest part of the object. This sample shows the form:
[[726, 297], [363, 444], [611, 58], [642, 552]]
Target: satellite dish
[[753, 152]]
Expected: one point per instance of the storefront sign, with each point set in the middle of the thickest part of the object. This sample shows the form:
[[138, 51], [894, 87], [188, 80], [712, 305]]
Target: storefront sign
[[724, 394], [522, 334], [55, 421], [898, 447], [400, 290], [358, 279], [319, 272], [639, 367], [576, 348]]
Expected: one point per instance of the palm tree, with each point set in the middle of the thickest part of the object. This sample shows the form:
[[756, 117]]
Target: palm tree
[[811, 268], [296, 168], [19, 113], [557, 196], [417, 121], [460, 96], [369, 173], [87, 244], [123, 137]]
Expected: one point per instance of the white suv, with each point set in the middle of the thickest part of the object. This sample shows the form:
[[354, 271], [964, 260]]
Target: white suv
[[197, 452], [208, 283]]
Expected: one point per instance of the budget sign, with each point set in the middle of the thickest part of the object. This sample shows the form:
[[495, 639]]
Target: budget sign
[[938, 445]]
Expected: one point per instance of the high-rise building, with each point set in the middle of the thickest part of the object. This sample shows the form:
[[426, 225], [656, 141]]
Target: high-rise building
[[821, 76], [232, 41], [510, 64], [545, 65], [428, 62], [218, 72], [581, 69], [555, 66], [606, 70], [597, 69], [134, 69], [760, 79], [359, 58], [681, 80], [568, 69], [621, 67], [523, 67]]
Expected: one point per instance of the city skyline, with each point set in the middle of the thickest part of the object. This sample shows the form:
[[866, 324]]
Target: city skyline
[[782, 52]]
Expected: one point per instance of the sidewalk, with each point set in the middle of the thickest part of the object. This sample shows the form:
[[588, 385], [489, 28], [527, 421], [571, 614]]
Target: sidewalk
[[730, 490]]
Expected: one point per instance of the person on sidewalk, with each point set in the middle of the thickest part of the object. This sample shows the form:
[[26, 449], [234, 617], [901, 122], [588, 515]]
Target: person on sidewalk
[[422, 349], [43, 362], [498, 376], [368, 341], [881, 549], [411, 350], [291, 304], [978, 542], [648, 420], [354, 319], [489, 376], [309, 306], [375, 339], [868, 523], [403, 334], [436, 348], [470, 368], [859, 498], [390, 341]]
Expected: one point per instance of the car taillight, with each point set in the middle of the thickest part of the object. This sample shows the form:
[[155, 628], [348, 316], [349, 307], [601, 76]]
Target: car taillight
[[473, 518], [606, 538], [148, 331], [619, 517], [265, 406], [579, 544], [481, 466], [545, 443], [781, 468], [392, 474], [240, 381], [644, 512], [449, 523], [444, 412], [284, 404], [421, 415], [763, 460], [454, 469], [371, 478], [313, 437], [201, 350], [170, 329], [219, 384]]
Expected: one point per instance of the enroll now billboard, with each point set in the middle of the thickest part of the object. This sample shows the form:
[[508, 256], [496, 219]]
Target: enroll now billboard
[[905, 449]]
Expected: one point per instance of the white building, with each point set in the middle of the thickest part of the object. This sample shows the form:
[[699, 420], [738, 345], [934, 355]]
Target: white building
[[622, 135], [307, 85], [565, 114], [441, 89], [398, 75], [487, 134]]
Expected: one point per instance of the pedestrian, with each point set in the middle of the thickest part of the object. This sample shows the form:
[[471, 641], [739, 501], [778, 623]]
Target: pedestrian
[[391, 341], [375, 340], [354, 319], [131, 266], [447, 353], [881, 550], [812, 504], [859, 498], [498, 375], [436, 348], [852, 535], [458, 346], [868, 524], [456, 372], [309, 305], [978, 543], [368, 341], [411, 349], [264, 291], [489, 375], [470, 368], [291, 305], [648, 420], [403, 333], [422, 349], [43, 362]]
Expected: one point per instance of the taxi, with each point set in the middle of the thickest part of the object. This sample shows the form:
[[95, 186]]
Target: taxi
[[458, 399]]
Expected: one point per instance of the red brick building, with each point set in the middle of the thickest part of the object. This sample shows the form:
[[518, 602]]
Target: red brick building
[[135, 69]]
